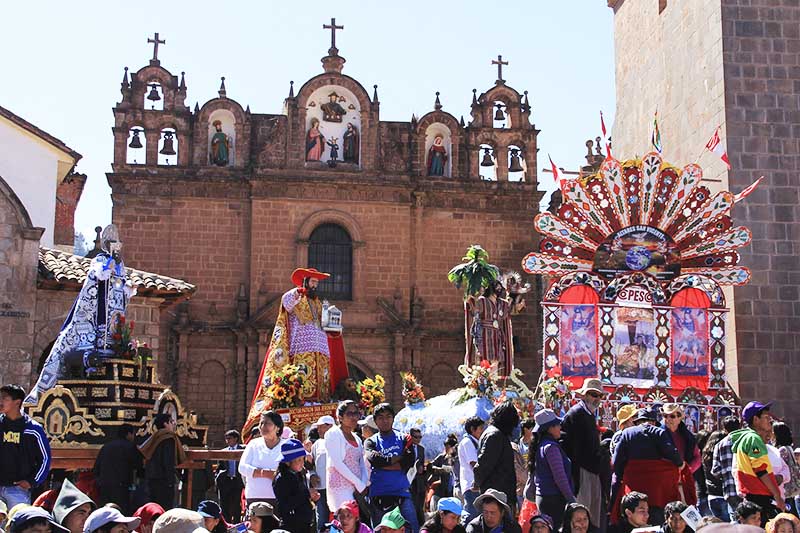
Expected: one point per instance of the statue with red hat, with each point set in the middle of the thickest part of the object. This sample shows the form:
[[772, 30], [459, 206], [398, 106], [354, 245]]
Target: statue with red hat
[[305, 337]]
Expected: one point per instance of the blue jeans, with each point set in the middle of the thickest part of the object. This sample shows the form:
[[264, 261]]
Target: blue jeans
[[323, 514], [719, 508], [12, 495], [469, 512]]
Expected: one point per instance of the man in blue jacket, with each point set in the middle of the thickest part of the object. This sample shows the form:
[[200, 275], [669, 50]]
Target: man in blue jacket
[[24, 449]]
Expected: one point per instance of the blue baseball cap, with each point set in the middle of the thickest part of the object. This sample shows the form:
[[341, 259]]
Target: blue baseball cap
[[22, 517], [450, 505], [754, 409], [209, 509]]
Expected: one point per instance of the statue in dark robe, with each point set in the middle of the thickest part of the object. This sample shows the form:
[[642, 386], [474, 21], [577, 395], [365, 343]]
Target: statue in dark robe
[[350, 140], [437, 157], [220, 146], [331, 110]]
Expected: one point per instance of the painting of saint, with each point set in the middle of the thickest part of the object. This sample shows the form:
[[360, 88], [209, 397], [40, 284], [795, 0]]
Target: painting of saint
[[634, 346], [220, 146], [689, 342], [331, 110], [578, 348], [350, 141], [315, 142], [437, 157]]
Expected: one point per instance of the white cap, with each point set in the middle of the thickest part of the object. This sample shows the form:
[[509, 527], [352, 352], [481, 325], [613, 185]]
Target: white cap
[[369, 422], [288, 433], [106, 515], [325, 420]]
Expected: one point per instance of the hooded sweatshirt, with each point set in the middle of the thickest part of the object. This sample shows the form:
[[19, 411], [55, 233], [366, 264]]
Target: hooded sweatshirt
[[69, 499], [751, 462]]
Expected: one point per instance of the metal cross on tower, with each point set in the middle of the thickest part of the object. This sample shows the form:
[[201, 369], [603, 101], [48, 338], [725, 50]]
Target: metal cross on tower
[[333, 27], [499, 62], [156, 41]]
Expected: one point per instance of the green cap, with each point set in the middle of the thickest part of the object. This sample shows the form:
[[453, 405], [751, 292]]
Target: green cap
[[393, 520]]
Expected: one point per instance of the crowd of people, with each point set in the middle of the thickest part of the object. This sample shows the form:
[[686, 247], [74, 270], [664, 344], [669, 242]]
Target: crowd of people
[[355, 473]]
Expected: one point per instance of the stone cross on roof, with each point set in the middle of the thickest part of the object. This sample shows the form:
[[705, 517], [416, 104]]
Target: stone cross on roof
[[499, 62], [156, 41], [333, 27]]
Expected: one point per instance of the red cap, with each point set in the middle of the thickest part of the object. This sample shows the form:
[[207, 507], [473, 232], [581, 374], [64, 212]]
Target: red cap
[[351, 506], [47, 500], [149, 512]]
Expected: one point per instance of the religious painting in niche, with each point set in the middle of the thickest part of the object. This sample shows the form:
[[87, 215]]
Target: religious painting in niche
[[638, 248], [333, 127], [634, 346], [578, 347], [689, 342], [315, 142], [351, 142], [332, 111]]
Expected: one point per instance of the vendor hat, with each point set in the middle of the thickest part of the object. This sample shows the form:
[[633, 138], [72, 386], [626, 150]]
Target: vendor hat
[[591, 385], [449, 505], [106, 515], [302, 273], [545, 419], [325, 420], [625, 413], [393, 520], [369, 422], [754, 409], [292, 449], [492, 494]]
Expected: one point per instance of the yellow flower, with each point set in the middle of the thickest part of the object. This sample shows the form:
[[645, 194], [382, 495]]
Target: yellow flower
[[380, 381], [280, 393]]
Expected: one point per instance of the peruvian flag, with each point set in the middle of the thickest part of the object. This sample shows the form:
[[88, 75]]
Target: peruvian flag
[[746, 192], [715, 145]]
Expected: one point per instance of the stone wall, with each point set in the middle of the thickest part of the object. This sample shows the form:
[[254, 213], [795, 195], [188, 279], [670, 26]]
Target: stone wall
[[762, 92]]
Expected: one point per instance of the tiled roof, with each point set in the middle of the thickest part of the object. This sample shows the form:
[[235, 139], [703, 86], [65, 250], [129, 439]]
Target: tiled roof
[[70, 269], [24, 124]]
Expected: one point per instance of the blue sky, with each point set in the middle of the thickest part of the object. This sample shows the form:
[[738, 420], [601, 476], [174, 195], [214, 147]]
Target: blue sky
[[63, 63]]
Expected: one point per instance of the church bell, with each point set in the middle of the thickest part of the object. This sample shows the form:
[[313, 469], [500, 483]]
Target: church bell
[[498, 115], [487, 160], [515, 165], [168, 148], [153, 95], [135, 141]]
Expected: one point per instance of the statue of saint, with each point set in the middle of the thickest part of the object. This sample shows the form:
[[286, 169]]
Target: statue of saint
[[315, 142], [220, 146], [334, 144], [88, 331], [489, 334], [350, 140], [331, 110], [437, 157]]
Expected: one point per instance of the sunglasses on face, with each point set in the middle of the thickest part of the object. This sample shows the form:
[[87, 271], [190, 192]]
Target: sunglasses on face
[[594, 395], [673, 415]]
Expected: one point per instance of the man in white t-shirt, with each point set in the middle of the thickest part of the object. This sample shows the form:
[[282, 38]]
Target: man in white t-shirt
[[467, 457], [319, 456]]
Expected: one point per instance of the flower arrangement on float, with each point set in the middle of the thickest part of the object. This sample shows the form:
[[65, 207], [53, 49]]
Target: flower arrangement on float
[[479, 380], [286, 388], [370, 392], [122, 342], [556, 393], [412, 389]]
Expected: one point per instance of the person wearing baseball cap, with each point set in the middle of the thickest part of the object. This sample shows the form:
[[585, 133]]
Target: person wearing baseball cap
[[349, 516], [292, 495], [148, 513], [753, 471], [32, 519], [541, 523], [446, 519], [212, 516], [110, 520], [262, 518], [179, 520], [368, 427], [392, 522]]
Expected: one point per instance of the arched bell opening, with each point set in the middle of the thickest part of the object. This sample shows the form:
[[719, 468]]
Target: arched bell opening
[[516, 163], [168, 147], [135, 153], [154, 96], [501, 118], [488, 163]]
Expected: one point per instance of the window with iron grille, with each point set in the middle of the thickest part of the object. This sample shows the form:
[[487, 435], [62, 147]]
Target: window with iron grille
[[330, 250]]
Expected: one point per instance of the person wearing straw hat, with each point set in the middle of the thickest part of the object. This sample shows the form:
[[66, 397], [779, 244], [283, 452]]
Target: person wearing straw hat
[[625, 416], [581, 442], [494, 514]]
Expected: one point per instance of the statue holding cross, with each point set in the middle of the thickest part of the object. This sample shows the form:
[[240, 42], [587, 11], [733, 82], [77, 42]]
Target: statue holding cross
[[156, 41], [499, 62]]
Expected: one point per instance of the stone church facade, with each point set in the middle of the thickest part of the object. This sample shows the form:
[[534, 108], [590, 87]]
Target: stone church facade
[[233, 200], [731, 63]]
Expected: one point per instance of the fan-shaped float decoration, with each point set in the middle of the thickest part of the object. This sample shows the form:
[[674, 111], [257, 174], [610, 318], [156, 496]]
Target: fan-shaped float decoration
[[637, 254], [641, 216]]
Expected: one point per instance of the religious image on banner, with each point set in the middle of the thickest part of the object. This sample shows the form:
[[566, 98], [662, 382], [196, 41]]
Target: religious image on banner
[[689, 342], [692, 418], [634, 346], [578, 347]]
